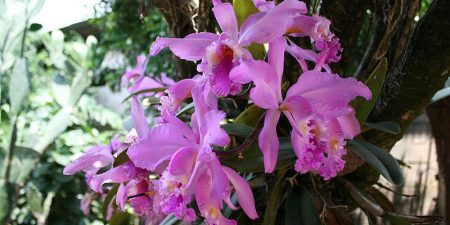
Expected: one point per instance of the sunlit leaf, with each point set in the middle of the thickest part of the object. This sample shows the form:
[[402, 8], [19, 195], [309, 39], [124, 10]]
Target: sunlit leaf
[[19, 85], [23, 163], [379, 159], [34, 199], [54, 128], [6, 192]]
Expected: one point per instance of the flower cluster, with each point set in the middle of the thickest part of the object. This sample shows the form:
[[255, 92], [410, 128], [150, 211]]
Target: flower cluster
[[174, 164]]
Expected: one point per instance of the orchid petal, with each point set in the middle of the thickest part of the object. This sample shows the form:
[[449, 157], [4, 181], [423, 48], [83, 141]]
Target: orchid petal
[[264, 76], [191, 48], [144, 84], [212, 133], [296, 109], [122, 173], [140, 122], [268, 140], [91, 161], [328, 93], [226, 18], [244, 192], [264, 5], [349, 125], [121, 197], [183, 161], [159, 146], [263, 30]]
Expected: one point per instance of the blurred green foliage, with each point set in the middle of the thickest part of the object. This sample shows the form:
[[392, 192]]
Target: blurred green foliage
[[129, 27], [51, 109]]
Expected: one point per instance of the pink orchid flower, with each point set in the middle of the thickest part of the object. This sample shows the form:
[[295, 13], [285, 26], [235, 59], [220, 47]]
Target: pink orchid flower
[[316, 100], [141, 81], [221, 53]]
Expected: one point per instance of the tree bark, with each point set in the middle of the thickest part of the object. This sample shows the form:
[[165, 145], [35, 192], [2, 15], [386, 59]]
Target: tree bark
[[439, 116], [185, 17]]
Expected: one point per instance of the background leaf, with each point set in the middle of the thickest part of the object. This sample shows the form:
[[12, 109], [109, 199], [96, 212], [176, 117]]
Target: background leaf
[[19, 85], [379, 159], [252, 160], [375, 83], [240, 130], [300, 209], [390, 127]]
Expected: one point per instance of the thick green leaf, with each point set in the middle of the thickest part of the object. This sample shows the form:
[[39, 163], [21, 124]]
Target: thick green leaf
[[34, 199], [252, 159], [375, 83], [109, 197], [250, 115], [300, 209], [390, 127], [120, 218], [275, 198], [379, 159], [19, 86], [243, 9], [236, 129]]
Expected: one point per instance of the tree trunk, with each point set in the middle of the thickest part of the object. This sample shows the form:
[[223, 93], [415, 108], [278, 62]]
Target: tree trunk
[[439, 115]]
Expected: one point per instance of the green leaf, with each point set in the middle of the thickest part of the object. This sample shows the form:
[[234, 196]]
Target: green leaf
[[275, 198], [23, 163], [54, 128], [441, 94], [121, 159], [185, 109], [120, 218], [34, 199], [375, 83], [250, 115], [109, 197], [300, 209], [379, 159], [243, 9], [169, 220], [19, 86], [240, 130], [6, 194], [252, 160], [80, 83], [390, 127], [396, 220], [35, 27]]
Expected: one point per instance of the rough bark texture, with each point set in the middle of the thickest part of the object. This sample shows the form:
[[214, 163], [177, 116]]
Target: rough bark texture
[[439, 115], [415, 78], [185, 17]]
